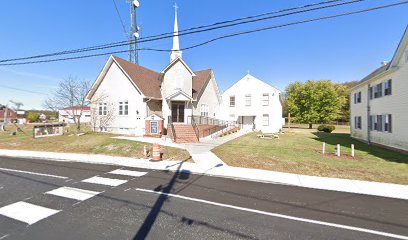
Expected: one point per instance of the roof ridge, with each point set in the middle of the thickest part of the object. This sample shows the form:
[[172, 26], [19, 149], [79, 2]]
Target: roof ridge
[[136, 65]]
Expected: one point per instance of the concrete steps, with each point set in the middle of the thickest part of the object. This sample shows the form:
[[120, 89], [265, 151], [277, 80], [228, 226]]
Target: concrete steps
[[184, 133]]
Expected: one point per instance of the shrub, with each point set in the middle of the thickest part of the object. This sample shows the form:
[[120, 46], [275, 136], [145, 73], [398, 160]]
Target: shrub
[[326, 128], [33, 117]]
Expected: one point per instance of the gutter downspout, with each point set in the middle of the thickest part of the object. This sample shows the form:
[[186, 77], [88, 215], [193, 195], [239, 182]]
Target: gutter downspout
[[368, 115]]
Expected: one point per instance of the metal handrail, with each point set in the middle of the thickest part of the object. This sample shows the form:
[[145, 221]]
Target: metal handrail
[[196, 130], [173, 130]]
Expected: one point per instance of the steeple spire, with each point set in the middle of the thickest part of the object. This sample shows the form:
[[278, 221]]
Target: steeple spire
[[175, 51]]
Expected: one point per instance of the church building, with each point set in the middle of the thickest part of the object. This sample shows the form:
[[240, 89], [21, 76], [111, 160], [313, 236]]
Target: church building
[[127, 98]]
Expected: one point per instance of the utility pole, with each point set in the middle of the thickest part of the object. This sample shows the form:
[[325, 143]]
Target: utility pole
[[133, 32]]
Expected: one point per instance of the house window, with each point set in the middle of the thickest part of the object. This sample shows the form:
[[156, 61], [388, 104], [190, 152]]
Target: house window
[[357, 122], [124, 108], [378, 91], [154, 127], [232, 101], [387, 123], [265, 120], [265, 99], [103, 109], [204, 110], [387, 87], [357, 97], [370, 92], [379, 123], [248, 100]]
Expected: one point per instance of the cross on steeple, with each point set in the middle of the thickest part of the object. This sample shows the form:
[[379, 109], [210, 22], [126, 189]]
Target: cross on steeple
[[175, 51]]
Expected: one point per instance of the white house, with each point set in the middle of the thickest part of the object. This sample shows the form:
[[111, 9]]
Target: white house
[[254, 104], [130, 99], [67, 114], [379, 103]]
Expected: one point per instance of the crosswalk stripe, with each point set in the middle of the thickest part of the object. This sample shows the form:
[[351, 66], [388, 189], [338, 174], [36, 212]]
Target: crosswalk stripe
[[27, 212], [73, 193], [128, 173], [105, 181]]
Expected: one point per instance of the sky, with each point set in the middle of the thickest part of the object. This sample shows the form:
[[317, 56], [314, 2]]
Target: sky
[[341, 49]]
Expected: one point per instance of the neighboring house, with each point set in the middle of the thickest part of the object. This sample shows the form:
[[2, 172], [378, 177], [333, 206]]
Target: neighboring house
[[83, 113], [130, 99], [253, 104], [379, 103], [7, 114], [21, 117]]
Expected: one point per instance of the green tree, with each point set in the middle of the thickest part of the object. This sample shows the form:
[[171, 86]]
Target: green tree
[[33, 117], [345, 110], [315, 101]]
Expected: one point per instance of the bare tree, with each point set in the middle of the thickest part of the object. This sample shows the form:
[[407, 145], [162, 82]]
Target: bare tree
[[102, 112], [71, 93]]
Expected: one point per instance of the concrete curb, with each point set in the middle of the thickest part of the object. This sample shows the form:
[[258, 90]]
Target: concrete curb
[[324, 183]]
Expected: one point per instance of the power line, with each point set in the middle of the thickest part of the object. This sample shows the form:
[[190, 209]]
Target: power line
[[189, 31], [22, 90], [120, 18], [225, 36]]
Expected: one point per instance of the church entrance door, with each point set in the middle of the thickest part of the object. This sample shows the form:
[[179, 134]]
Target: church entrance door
[[177, 112]]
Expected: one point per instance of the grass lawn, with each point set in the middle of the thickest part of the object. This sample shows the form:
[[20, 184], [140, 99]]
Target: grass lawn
[[92, 143], [300, 152]]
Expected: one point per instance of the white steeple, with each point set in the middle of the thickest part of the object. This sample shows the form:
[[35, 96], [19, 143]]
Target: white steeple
[[175, 51]]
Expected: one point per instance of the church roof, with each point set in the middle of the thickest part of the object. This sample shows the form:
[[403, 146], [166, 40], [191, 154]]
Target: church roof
[[200, 81], [148, 81]]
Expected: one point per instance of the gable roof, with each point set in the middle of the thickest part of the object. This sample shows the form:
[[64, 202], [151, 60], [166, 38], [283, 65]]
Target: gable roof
[[399, 52], [178, 59], [148, 81], [249, 76], [200, 82]]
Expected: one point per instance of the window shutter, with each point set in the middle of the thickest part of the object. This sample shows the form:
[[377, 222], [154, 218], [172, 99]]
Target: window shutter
[[389, 123]]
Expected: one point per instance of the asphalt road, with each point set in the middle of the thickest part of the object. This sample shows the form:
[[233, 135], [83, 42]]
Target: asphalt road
[[42, 199]]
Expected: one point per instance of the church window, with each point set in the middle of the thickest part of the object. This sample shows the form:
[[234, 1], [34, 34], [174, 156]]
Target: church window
[[103, 109], [124, 108], [232, 101], [265, 99], [248, 100], [204, 110]]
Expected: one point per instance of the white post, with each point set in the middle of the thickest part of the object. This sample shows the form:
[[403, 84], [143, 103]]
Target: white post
[[352, 150], [324, 148], [338, 150]]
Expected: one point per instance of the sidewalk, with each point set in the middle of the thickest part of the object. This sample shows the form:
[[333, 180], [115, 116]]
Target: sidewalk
[[201, 152], [150, 140], [334, 184]]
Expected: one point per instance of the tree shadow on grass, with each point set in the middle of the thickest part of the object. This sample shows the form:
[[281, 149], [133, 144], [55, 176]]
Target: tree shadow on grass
[[345, 141]]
